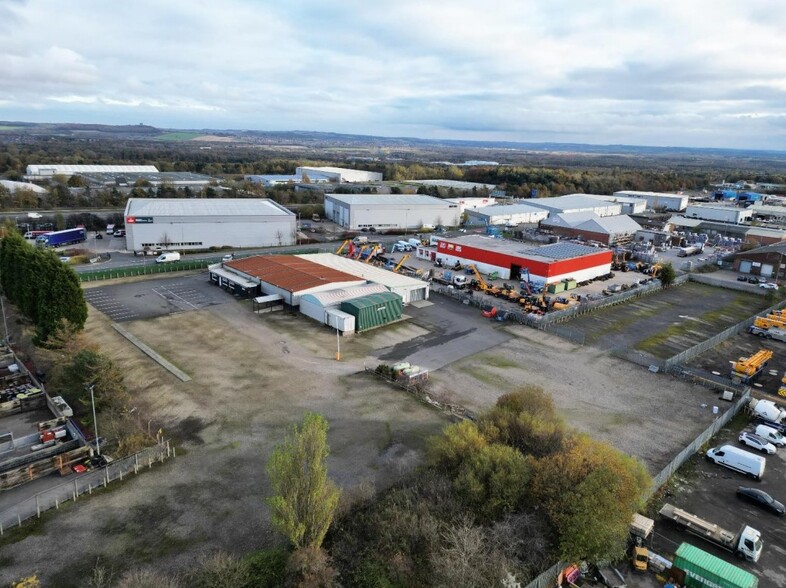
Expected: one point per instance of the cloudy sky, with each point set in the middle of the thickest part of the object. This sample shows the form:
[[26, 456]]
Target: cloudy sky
[[648, 72]]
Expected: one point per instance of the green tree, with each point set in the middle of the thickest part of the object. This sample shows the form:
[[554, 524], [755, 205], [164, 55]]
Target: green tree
[[667, 275], [304, 498], [60, 297]]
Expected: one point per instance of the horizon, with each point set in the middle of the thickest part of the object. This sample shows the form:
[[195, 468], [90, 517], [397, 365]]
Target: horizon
[[657, 74]]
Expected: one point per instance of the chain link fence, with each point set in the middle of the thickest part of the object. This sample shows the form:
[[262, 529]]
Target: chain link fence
[[83, 484]]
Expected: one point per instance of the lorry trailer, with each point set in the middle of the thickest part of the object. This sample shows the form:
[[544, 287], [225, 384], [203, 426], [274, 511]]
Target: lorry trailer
[[771, 333], [59, 238], [745, 543], [704, 570]]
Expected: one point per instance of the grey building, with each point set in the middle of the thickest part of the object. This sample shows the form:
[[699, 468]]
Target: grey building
[[188, 223], [657, 200], [390, 211]]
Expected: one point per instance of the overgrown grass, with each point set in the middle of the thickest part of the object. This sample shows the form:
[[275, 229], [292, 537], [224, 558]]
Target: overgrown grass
[[179, 136], [485, 376]]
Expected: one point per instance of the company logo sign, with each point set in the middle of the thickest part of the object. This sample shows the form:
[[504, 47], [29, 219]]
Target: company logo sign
[[138, 220]]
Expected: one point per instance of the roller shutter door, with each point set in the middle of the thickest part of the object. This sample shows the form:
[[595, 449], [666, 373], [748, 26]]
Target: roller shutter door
[[745, 267]]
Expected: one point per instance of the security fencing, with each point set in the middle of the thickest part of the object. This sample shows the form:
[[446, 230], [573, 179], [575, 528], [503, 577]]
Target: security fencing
[[86, 483], [711, 280], [700, 348], [548, 578]]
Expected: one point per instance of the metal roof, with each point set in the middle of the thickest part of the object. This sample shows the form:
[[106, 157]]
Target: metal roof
[[508, 209], [152, 177], [76, 169], [622, 199], [572, 201], [635, 193], [336, 297], [457, 184], [14, 186], [388, 199], [291, 272], [364, 270], [589, 221], [205, 207], [548, 253]]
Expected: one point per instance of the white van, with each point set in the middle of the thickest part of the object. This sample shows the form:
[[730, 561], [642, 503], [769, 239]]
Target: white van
[[360, 240], [415, 243], [404, 245], [771, 435], [110, 229], [739, 460], [167, 257]]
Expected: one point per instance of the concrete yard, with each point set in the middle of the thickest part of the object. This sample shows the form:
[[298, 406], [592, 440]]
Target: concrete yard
[[668, 322]]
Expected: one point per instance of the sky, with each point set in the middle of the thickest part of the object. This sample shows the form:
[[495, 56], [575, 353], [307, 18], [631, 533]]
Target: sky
[[701, 73]]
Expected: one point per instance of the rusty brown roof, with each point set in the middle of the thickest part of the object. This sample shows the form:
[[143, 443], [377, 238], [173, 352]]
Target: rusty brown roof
[[290, 272]]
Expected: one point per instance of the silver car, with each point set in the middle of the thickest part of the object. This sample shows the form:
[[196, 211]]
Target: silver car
[[757, 442]]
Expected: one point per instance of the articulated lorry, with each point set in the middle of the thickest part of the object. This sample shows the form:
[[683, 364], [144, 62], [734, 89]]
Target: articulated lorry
[[745, 543], [704, 570], [59, 238]]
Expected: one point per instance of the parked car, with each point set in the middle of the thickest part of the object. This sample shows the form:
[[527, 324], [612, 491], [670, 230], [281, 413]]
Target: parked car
[[742, 278], [753, 280], [769, 286], [119, 233], [756, 442], [228, 257], [772, 435], [761, 499]]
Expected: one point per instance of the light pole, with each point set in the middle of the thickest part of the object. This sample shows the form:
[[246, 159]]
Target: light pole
[[5, 324], [95, 422]]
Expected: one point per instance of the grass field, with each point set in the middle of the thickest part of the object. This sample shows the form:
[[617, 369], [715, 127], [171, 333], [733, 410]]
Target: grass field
[[180, 136], [8, 128]]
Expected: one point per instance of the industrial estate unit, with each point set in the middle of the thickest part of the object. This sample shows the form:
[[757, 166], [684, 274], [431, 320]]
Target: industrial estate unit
[[172, 223], [389, 211]]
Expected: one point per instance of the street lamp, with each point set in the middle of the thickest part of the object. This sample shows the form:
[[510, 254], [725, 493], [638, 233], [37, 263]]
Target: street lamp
[[95, 422]]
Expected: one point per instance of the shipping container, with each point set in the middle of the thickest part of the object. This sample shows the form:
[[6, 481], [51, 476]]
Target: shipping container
[[703, 570], [374, 310]]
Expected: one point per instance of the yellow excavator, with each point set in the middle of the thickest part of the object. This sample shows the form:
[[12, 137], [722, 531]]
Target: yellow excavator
[[343, 246], [481, 284], [400, 263]]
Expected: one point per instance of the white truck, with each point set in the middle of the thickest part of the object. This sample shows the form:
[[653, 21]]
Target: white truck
[[767, 410], [771, 333], [690, 250], [745, 543]]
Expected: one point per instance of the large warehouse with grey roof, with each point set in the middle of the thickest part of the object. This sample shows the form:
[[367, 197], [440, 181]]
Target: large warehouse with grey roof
[[180, 224]]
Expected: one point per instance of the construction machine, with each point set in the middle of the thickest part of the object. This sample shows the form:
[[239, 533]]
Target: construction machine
[[769, 321], [343, 246], [360, 252], [563, 302], [400, 263], [480, 284], [747, 368], [376, 249]]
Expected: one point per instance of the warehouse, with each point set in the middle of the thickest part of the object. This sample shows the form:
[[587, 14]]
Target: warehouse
[[338, 175], [324, 307], [509, 214], [54, 169], [289, 276], [629, 205], [389, 211], [202, 223], [610, 230], [455, 185], [763, 262], [409, 289], [658, 200], [374, 310], [724, 214], [548, 264], [472, 203], [576, 203], [271, 180], [155, 179]]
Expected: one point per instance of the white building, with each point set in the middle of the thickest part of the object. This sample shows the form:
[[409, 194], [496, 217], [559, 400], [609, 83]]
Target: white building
[[454, 184], [656, 200], [390, 211], [54, 169], [271, 180], [576, 203], [201, 223], [472, 203], [14, 187], [324, 307], [725, 214], [629, 205], [513, 214], [339, 175]]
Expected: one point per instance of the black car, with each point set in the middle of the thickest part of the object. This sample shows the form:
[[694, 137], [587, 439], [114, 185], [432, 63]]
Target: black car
[[761, 499], [742, 278], [753, 280]]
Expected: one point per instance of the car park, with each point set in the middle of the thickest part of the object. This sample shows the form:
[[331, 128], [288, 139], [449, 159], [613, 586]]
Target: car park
[[761, 499], [756, 442]]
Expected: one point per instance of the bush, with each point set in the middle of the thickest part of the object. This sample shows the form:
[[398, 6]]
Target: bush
[[220, 570], [310, 567], [146, 579], [267, 569]]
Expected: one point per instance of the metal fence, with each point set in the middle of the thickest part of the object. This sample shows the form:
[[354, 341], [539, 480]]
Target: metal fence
[[694, 446], [711, 280], [86, 483], [547, 579], [700, 348]]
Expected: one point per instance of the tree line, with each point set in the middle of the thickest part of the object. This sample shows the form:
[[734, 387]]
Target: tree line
[[44, 289]]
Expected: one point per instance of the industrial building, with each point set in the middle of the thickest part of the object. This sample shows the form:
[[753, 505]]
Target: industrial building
[[769, 212], [325, 307], [548, 264], [202, 223], [338, 175], [465, 204], [745, 233], [588, 226], [14, 187], [763, 261], [129, 179], [576, 203], [724, 214], [629, 205], [658, 200], [507, 214], [389, 211], [456, 185], [287, 276], [53, 169], [409, 289], [270, 180]]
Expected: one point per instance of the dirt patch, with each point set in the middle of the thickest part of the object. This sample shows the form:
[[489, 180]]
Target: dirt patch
[[253, 377], [651, 416]]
